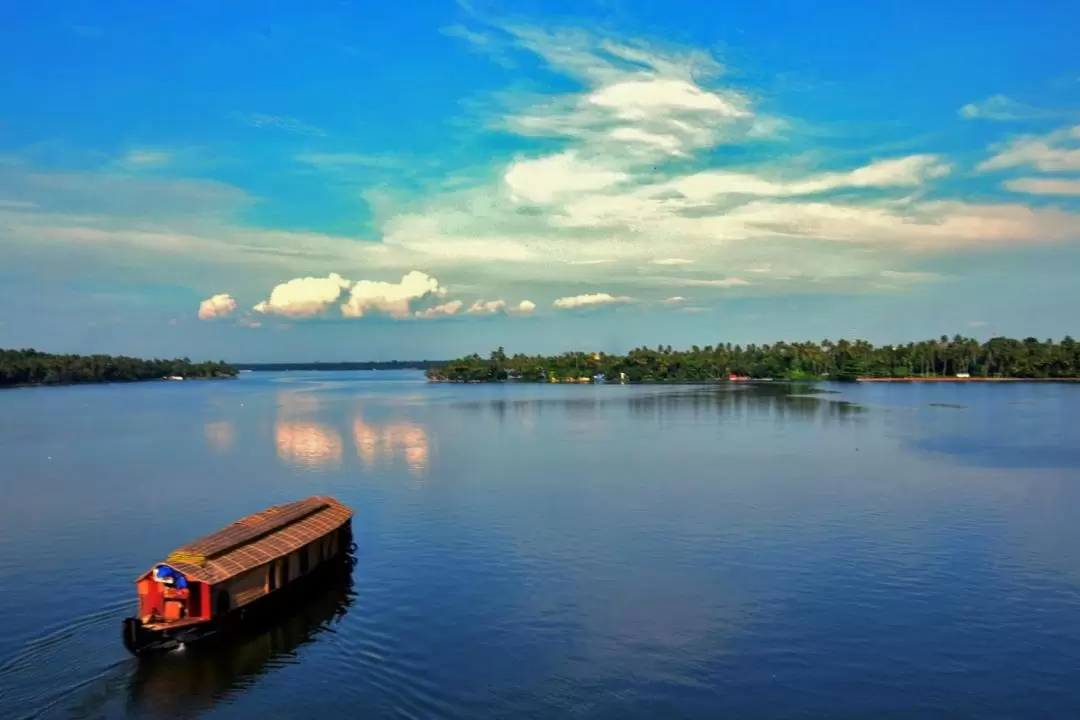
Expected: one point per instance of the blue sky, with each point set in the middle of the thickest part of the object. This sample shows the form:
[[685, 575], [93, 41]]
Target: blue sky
[[352, 180]]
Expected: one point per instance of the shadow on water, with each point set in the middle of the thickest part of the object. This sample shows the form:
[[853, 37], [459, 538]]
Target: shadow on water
[[197, 679]]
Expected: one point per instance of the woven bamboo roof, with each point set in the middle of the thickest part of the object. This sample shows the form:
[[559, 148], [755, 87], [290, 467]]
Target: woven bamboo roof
[[258, 538]]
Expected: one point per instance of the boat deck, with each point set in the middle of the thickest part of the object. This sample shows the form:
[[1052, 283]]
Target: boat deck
[[175, 624]]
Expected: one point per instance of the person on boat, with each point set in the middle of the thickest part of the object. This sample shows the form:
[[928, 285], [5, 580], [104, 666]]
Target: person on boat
[[168, 576]]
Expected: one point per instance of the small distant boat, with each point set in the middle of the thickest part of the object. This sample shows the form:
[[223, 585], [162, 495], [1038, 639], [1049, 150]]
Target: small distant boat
[[216, 582], [173, 377]]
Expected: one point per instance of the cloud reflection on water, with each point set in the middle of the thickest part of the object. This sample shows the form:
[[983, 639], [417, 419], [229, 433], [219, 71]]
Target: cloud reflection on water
[[220, 435], [301, 440], [380, 443]]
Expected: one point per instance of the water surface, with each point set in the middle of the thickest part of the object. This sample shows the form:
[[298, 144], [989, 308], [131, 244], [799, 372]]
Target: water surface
[[756, 551]]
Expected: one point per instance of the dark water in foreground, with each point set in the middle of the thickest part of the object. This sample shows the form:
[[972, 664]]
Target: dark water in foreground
[[888, 551]]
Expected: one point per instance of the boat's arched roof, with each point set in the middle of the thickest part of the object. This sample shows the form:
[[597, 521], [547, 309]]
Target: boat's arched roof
[[258, 538]]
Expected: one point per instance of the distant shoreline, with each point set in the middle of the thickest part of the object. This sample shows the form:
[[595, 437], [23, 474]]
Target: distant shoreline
[[749, 381], [341, 366], [33, 368], [965, 380], [135, 381]]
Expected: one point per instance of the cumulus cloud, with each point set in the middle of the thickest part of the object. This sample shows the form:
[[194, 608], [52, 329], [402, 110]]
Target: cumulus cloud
[[675, 300], [588, 300], [487, 307], [444, 310], [304, 296], [526, 306], [310, 296], [1056, 151], [390, 298], [217, 306]]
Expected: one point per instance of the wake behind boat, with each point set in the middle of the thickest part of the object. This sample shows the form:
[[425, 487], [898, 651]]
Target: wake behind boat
[[216, 582]]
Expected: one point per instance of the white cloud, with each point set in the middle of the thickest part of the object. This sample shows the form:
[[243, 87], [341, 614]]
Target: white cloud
[[999, 107], [587, 300], [444, 310], [1043, 186], [640, 101], [1053, 152], [897, 172], [667, 143], [390, 298], [487, 307], [701, 282], [526, 306], [545, 179], [626, 184], [304, 296], [217, 306], [675, 300], [310, 296]]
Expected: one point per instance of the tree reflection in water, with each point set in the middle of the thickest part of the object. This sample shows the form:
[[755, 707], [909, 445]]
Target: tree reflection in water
[[772, 399]]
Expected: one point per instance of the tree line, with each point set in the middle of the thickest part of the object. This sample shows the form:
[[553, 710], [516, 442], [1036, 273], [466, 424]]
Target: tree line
[[31, 367], [841, 360]]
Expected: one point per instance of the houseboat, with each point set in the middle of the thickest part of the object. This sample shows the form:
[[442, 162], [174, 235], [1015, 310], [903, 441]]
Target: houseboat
[[214, 583]]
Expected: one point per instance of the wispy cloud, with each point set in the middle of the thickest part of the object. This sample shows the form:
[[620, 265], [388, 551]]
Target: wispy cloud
[[1056, 151], [337, 160], [909, 276], [488, 43], [1043, 186], [671, 261], [701, 282], [279, 122], [146, 157], [1002, 108]]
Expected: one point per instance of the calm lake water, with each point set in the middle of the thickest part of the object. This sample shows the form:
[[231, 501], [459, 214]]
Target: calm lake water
[[524, 551]]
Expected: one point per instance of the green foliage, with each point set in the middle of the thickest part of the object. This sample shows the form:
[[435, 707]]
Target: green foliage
[[843, 360], [30, 367]]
